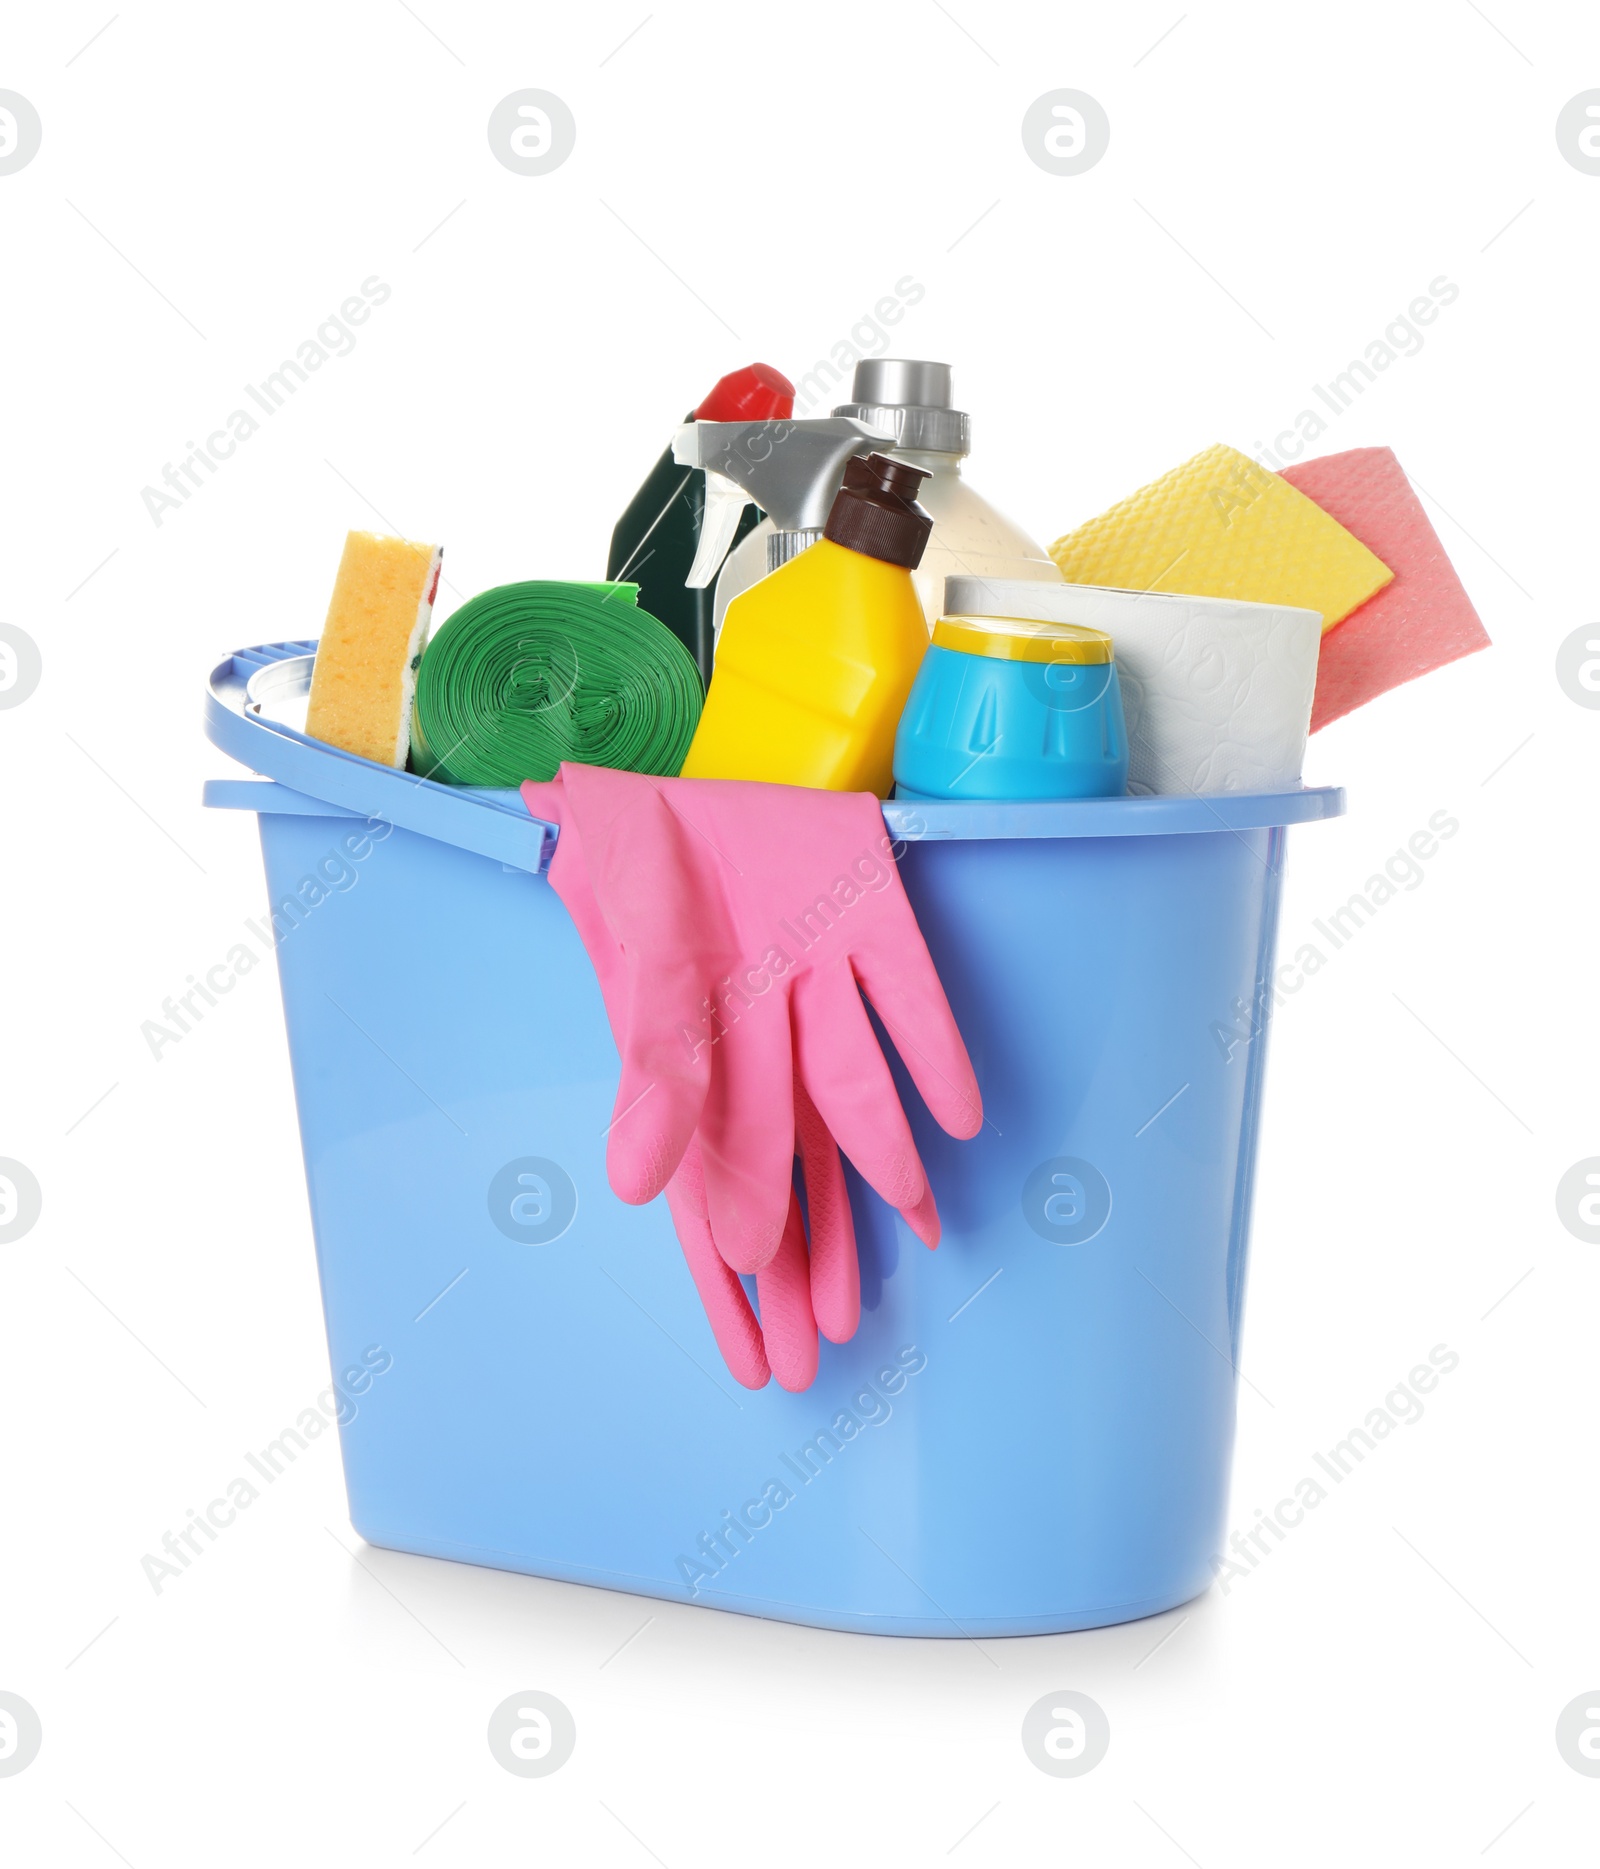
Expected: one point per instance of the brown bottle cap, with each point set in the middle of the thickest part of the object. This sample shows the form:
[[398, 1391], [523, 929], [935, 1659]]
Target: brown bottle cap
[[876, 511]]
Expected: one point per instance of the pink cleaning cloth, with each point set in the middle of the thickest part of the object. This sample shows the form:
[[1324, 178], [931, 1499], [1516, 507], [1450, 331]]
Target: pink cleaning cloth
[[1417, 623], [734, 927]]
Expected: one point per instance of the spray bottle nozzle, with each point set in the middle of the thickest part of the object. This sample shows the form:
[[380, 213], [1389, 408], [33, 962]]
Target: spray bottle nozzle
[[791, 470]]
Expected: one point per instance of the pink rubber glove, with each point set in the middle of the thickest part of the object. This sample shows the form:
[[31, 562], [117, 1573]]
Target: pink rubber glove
[[798, 1291], [684, 870], [750, 919]]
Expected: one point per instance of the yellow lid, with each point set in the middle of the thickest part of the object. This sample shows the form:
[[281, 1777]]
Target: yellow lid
[[1022, 639]]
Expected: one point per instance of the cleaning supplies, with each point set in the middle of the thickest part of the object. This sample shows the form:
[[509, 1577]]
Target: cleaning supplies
[[816, 661], [734, 929], [790, 469], [527, 675], [1422, 620], [365, 672], [656, 538], [1003, 708], [1221, 526], [1217, 695], [908, 404], [913, 400]]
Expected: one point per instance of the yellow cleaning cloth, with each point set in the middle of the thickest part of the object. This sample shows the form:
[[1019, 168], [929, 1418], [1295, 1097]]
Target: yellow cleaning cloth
[[1223, 526], [365, 674]]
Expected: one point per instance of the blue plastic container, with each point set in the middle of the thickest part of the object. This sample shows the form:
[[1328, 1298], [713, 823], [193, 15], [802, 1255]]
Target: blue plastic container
[[1032, 1429], [1007, 708]]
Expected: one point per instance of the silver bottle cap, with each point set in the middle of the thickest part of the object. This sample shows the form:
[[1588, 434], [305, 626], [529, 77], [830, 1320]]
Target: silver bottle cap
[[912, 397]]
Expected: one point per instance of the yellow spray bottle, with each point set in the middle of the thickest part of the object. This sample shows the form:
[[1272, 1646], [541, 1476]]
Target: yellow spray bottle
[[815, 662]]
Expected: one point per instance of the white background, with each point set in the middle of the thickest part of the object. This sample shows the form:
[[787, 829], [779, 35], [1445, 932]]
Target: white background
[[1282, 180]]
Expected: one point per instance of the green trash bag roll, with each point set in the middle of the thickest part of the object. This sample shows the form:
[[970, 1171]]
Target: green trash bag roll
[[527, 675]]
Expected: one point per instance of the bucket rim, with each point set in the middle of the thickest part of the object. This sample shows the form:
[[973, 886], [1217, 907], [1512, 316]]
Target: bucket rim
[[495, 822]]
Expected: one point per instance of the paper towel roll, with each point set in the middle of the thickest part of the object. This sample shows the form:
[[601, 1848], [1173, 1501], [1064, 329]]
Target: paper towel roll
[[1217, 693]]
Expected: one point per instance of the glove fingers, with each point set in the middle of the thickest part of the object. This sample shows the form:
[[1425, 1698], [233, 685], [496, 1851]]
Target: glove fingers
[[835, 1270], [727, 1309], [899, 978], [666, 1070], [923, 1220], [783, 1290], [747, 1133], [845, 1071]]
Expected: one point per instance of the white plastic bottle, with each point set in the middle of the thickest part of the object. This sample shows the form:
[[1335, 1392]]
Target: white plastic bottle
[[912, 401]]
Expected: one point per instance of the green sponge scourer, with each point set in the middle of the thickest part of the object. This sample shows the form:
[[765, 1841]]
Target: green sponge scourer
[[527, 675]]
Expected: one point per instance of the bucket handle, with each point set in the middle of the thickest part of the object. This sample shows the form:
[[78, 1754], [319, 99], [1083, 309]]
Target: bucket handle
[[490, 824]]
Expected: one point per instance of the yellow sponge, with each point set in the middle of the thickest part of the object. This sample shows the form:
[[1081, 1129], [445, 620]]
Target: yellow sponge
[[366, 668], [1223, 526]]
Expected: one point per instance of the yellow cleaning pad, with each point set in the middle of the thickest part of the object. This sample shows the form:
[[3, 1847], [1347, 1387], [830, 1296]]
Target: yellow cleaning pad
[[1223, 526], [366, 668]]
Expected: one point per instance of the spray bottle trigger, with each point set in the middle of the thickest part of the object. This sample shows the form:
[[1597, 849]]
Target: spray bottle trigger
[[725, 504]]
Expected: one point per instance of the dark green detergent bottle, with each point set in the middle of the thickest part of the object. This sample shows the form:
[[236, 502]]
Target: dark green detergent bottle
[[656, 538]]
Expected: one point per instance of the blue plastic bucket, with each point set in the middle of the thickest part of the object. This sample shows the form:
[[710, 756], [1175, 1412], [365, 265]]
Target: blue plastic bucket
[[1032, 1429]]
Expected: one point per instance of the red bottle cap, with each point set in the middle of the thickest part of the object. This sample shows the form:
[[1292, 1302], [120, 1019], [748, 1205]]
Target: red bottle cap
[[757, 393]]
